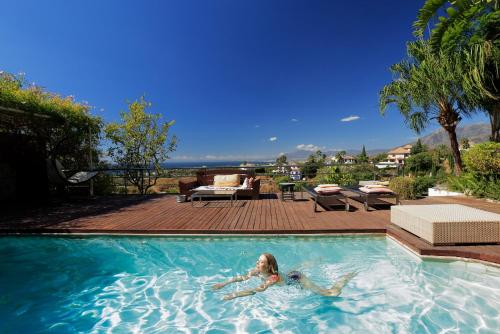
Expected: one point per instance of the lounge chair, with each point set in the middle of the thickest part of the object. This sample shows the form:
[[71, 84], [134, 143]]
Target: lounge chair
[[57, 176], [339, 197], [369, 194]]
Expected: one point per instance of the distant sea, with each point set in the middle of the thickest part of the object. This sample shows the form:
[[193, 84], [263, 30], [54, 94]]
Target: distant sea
[[208, 164]]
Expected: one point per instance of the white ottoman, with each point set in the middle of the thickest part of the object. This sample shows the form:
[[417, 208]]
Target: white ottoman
[[448, 223]]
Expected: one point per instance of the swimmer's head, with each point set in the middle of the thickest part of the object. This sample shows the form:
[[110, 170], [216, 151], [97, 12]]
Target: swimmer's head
[[267, 264]]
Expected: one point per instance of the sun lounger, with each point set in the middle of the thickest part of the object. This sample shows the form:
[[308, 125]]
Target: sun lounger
[[371, 197], [339, 197], [56, 174], [446, 224]]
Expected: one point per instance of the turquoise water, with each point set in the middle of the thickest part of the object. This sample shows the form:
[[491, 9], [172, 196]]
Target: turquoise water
[[163, 285]]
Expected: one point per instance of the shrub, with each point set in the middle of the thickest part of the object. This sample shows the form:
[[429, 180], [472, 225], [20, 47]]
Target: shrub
[[333, 174], [475, 185], [420, 162], [104, 184], [422, 184], [481, 178], [282, 179], [483, 158], [404, 187]]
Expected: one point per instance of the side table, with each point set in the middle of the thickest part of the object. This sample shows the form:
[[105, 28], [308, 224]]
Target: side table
[[287, 191]]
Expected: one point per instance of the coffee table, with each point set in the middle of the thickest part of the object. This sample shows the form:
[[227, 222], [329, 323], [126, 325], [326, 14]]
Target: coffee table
[[214, 193]]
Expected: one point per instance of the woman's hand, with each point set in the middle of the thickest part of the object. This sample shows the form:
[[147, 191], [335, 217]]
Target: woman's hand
[[218, 286]]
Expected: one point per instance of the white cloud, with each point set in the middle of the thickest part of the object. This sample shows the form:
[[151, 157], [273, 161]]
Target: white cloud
[[210, 157], [294, 120], [101, 110], [350, 118], [273, 138], [281, 154], [309, 147], [257, 126]]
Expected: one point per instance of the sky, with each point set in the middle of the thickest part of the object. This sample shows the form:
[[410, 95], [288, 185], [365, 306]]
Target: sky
[[243, 80]]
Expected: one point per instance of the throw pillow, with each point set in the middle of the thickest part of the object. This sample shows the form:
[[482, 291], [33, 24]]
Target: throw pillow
[[232, 180], [251, 180]]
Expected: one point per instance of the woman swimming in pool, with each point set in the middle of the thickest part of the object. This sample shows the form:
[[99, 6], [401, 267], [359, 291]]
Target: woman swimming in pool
[[267, 269]]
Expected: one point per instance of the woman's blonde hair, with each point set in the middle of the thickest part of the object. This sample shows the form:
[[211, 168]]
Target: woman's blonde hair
[[272, 263]]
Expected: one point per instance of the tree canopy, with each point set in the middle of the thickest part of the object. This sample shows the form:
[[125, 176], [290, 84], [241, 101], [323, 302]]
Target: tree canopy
[[281, 160], [471, 29], [61, 127], [427, 86], [362, 157], [418, 147], [140, 143]]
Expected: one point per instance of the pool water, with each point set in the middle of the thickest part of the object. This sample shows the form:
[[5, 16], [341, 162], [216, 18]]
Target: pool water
[[163, 285]]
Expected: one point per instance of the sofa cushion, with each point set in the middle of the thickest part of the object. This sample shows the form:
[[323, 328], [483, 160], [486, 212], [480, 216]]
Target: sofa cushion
[[232, 180]]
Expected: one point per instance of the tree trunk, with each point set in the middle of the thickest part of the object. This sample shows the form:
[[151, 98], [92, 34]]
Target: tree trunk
[[454, 149], [448, 118], [494, 114]]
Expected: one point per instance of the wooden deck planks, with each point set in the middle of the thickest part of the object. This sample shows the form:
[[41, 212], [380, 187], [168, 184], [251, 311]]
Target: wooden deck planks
[[163, 215]]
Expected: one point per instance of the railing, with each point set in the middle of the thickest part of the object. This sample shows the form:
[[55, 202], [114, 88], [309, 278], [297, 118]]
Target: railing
[[168, 177]]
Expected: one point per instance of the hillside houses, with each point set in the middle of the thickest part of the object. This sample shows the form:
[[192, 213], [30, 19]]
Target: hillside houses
[[345, 159], [396, 157], [399, 154]]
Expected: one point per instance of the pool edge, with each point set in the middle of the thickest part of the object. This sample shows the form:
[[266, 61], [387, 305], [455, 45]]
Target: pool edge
[[417, 252]]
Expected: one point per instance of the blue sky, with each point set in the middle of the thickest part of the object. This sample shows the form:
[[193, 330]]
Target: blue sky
[[242, 79]]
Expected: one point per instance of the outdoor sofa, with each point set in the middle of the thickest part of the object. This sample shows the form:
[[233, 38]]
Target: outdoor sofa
[[205, 177]]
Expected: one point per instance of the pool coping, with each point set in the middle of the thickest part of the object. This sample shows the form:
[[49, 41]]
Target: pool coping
[[447, 255], [443, 257]]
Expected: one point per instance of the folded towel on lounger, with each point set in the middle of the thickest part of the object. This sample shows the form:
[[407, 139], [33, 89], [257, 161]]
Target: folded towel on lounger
[[379, 190], [327, 190], [370, 186]]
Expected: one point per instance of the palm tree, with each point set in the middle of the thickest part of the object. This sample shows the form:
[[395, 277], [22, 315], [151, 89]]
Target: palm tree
[[471, 27], [455, 29], [427, 86], [481, 82]]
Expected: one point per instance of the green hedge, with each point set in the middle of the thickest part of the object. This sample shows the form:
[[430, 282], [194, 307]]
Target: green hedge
[[411, 187]]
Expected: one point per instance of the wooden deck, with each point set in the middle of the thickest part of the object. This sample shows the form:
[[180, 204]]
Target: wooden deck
[[269, 215]]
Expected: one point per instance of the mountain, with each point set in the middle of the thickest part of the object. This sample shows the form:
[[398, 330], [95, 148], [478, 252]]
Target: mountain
[[299, 155], [476, 133]]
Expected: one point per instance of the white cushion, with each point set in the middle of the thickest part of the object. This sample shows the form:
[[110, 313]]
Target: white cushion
[[231, 180]]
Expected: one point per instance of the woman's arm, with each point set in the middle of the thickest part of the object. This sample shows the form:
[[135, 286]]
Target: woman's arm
[[239, 278], [248, 292]]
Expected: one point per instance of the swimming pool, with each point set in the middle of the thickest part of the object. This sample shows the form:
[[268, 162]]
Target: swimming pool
[[161, 285]]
